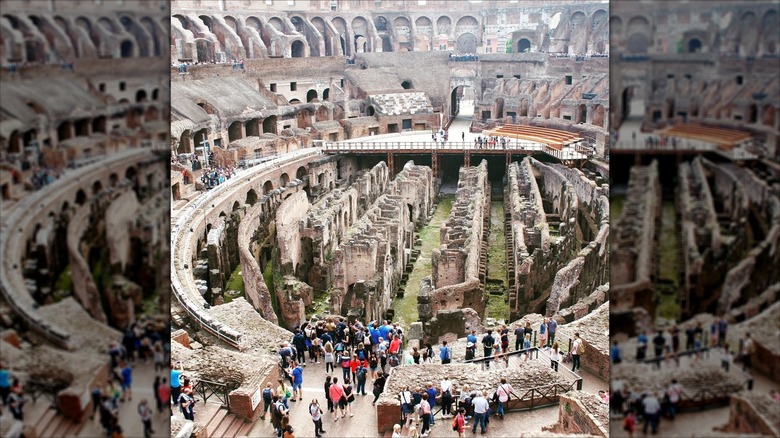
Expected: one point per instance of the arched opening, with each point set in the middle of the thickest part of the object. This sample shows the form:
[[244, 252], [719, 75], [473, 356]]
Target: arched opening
[[200, 137], [99, 124], [753, 113], [499, 108], [96, 187], [311, 95], [14, 143], [768, 115], [234, 131], [467, 43], [326, 94], [252, 128], [283, 180], [64, 131], [267, 187], [523, 107], [81, 197], [185, 144], [407, 85], [301, 173], [297, 49], [82, 127], [582, 113], [295, 101], [370, 110], [670, 108], [140, 96], [126, 49], [269, 125], [251, 197], [524, 45], [598, 116], [113, 179], [638, 43], [387, 44], [694, 45]]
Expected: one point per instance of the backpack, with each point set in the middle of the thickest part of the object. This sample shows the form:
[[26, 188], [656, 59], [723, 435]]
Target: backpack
[[455, 424], [487, 341], [581, 348], [393, 360], [267, 394], [361, 372]]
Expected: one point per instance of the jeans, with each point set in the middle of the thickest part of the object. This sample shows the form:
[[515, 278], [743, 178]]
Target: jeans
[[426, 421], [652, 420], [551, 339], [345, 373], [329, 365], [501, 408], [361, 386], [554, 364], [479, 418], [318, 427], [575, 359], [432, 419]]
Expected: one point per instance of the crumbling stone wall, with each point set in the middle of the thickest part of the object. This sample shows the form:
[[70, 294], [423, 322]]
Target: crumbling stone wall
[[582, 413], [328, 221], [459, 265], [633, 259], [763, 329], [752, 413], [594, 331], [368, 264]]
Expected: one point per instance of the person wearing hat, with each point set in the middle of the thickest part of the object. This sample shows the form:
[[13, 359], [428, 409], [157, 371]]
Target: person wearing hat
[[470, 350]]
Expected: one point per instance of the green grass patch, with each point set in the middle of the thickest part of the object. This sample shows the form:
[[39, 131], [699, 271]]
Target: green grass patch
[[235, 283], [64, 282], [320, 304], [616, 203], [668, 245], [668, 307]]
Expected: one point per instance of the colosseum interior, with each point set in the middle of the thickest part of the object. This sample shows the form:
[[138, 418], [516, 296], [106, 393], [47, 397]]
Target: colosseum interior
[[84, 164], [695, 195], [313, 179]]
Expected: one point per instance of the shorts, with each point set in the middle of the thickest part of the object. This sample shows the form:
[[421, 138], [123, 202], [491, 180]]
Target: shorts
[[343, 402], [297, 386], [126, 386]]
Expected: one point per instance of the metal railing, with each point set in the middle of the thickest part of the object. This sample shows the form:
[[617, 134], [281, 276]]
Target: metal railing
[[208, 389], [39, 389], [571, 152]]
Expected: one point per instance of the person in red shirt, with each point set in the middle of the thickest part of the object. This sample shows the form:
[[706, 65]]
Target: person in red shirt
[[339, 401], [395, 345], [460, 422], [163, 395], [354, 363]]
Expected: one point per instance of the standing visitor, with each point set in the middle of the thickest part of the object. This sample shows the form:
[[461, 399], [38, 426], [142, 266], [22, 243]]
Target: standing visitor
[[405, 397], [725, 358], [470, 350], [268, 394], [445, 353], [577, 349], [659, 341], [504, 389], [555, 357], [459, 423], [674, 392], [641, 346], [446, 397], [425, 413], [176, 371], [5, 382], [480, 411], [316, 417], [652, 409], [186, 404], [127, 382], [339, 400], [748, 348], [519, 337], [723, 327], [379, 386], [327, 385], [350, 395], [504, 339], [361, 374], [432, 394], [543, 333], [146, 417], [629, 423], [614, 353], [163, 395], [552, 326], [329, 358], [284, 393], [487, 346], [297, 374]]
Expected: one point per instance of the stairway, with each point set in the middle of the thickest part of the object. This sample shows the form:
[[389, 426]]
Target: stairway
[[48, 423], [224, 424]]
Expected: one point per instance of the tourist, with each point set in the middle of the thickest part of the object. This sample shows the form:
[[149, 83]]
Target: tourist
[[464, 401], [748, 348], [15, 401], [723, 327], [674, 333], [527, 346], [127, 382], [373, 365], [297, 374], [528, 331], [487, 346], [519, 337], [614, 353], [187, 404], [480, 412], [158, 357], [555, 357], [288, 432], [146, 417], [445, 353], [280, 417], [328, 383], [405, 398], [299, 341], [97, 399], [425, 413], [726, 358], [350, 395], [5, 382], [651, 409], [413, 432], [415, 355], [659, 342], [471, 349], [641, 346], [552, 326], [697, 347], [379, 386], [329, 358], [577, 349], [176, 371], [714, 333], [543, 333], [629, 423], [503, 391], [381, 350], [396, 431], [432, 394], [504, 336], [395, 345], [354, 364], [690, 335], [316, 417], [674, 393], [268, 394], [163, 395], [339, 400], [459, 423], [446, 397], [361, 375], [284, 393], [604, 396]]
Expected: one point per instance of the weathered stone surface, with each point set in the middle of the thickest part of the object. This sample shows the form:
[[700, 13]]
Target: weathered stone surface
[[752, 413], [583, 413]]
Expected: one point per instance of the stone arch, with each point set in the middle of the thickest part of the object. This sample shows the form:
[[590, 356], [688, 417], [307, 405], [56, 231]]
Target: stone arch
[[97, 186], [370, 110], [582, 113], [694, 45], [251, 197], [423, 21], [113, 179], [234, 131], [268, 186], [599, 116], [466, 43], [252, 127], [236, 206], [284, 179], [361, 42], [402, 28], [615, 25], [301, 173], [269, 125], [380, 23], [768, 115], [295, 101], [443, 25], [341, 26], [82, 127], [127, 49], [638, 43], [311, 95], [200, 136], [297, 49], [140, 96], [327, 34], [523, 107], [523, 45], [753, 113], [638, 24], [64, 130], [185, 143], [407, 85], [81, 197]]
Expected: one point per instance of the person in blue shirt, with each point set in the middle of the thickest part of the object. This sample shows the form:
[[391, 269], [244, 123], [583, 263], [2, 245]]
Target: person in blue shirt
[[384, 331], [127, 382], [431, 399], [614, 353], [641, 346], [472, 337], [374, 330], [175, 382], [5, 382], [297, 374], [552, 327]]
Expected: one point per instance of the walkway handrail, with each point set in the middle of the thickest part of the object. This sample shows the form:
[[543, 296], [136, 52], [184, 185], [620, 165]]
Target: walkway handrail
[[705, 350], [220, 390], [182, 281], [11, 235]]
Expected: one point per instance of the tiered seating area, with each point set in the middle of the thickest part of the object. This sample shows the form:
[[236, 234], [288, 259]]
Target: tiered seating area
[[394, 104], [551, 137], [723, 138]]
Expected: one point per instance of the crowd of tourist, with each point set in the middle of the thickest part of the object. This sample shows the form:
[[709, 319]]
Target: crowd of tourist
[[216, 175], [467, 57]]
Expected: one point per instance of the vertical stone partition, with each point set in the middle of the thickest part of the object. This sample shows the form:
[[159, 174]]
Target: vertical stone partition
[[456, 287]]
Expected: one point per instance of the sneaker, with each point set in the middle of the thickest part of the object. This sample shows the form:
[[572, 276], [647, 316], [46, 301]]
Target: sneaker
[[351, 415]]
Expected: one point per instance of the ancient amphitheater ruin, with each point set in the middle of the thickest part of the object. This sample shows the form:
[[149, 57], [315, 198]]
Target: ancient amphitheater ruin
[[83, 170], [695, 197], [346, 176]]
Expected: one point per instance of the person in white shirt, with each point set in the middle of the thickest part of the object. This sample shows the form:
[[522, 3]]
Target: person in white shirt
[[726, 358], [446, 397], [405, 397], [575, 352], [652, 410], [397, 431], [481, 406], [555, 356], [674, 392]]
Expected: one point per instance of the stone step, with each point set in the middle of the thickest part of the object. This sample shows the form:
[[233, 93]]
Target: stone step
[[223, 427], [214, 422]]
